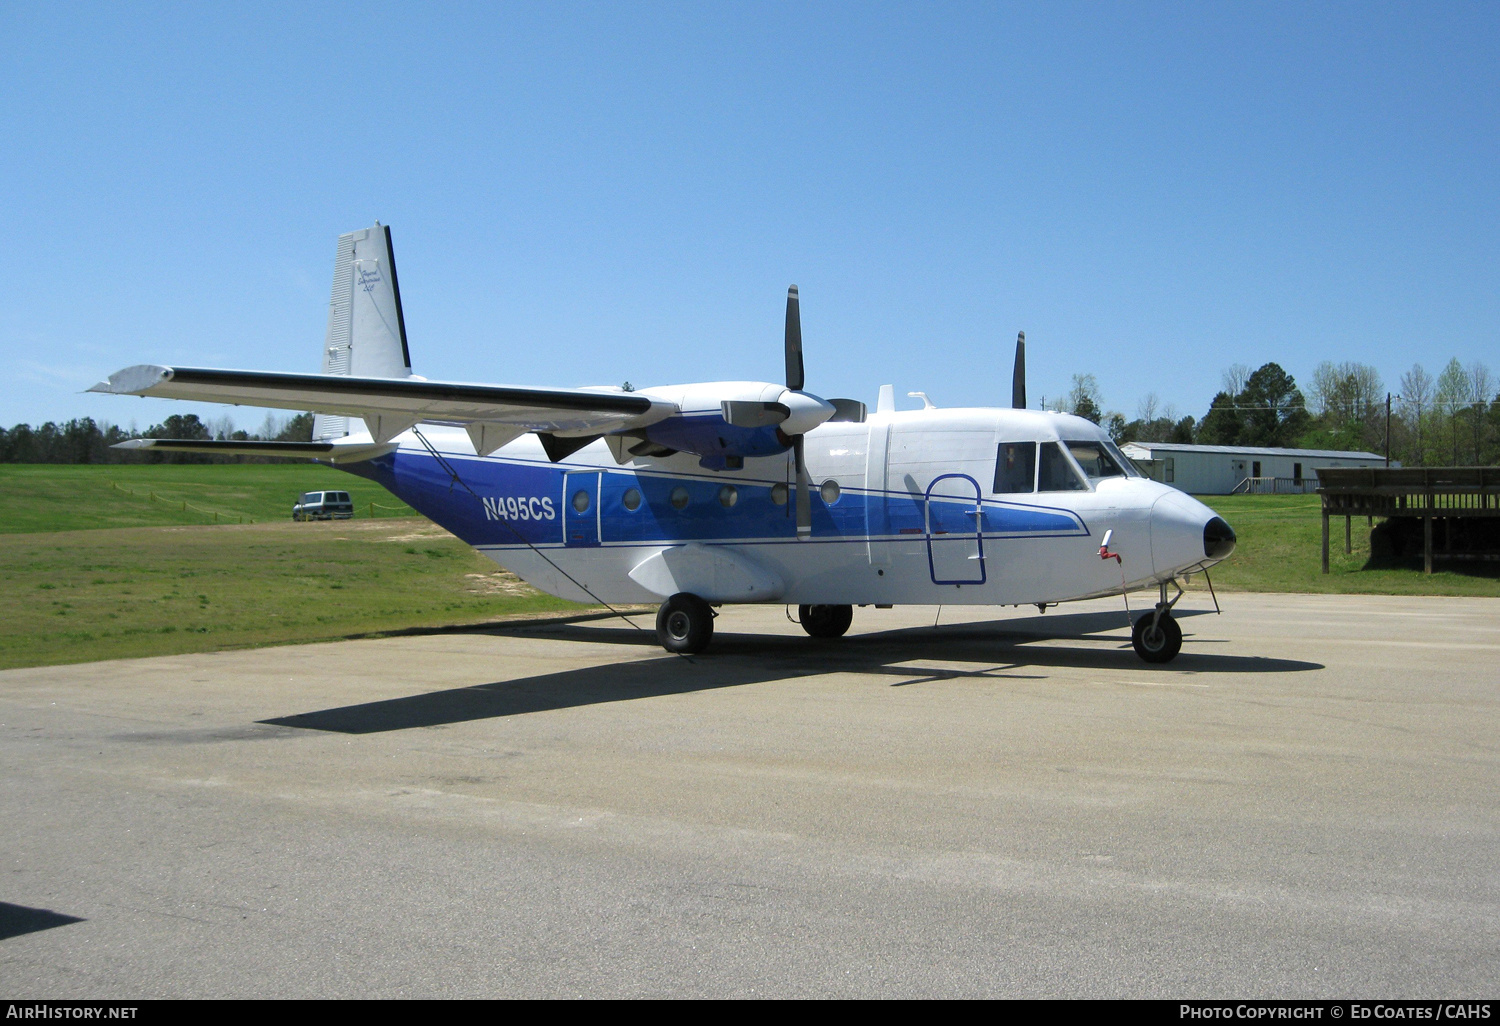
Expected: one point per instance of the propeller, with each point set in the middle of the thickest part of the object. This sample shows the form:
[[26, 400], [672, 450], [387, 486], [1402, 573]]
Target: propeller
[[794, 374], [1018, 376], [795, 379]]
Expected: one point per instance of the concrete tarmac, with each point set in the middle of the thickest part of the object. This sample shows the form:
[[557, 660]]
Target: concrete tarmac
[[1304, 804]]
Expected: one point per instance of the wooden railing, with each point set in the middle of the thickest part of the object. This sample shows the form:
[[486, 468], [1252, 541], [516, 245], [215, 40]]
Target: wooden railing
[[1426, 492], [1274, 486]]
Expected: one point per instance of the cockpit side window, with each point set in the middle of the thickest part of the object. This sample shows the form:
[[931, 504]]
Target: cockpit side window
[[1125, 462], [1095, 459], [1056, 473], [1015, 468]]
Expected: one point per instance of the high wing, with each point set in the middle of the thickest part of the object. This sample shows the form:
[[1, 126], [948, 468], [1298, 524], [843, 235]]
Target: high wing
[[494, 414]]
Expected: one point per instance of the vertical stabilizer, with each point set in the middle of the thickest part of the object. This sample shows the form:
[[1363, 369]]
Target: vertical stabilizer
[[366, 328]]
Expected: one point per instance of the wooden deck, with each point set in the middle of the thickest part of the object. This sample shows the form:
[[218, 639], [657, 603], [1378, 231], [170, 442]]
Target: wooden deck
[[1430, 493]]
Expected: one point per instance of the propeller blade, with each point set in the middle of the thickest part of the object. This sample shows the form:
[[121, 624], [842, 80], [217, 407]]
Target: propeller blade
[[794, 375], [1018, 376], [804, 484]]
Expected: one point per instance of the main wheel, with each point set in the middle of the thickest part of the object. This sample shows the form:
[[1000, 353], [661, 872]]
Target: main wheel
[[826, 621], [684, 624], [1160, 644]]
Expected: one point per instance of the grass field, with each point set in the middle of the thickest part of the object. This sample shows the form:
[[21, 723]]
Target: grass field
[[77, 596], [1280, 549], [89, 570], [55, 497]]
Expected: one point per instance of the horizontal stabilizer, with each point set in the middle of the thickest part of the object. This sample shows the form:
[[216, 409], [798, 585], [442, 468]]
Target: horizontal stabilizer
[[234, 447]]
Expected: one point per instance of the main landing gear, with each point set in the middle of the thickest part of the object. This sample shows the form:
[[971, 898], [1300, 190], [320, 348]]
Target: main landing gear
[[1156, 636], [684, 624], [825, 621]]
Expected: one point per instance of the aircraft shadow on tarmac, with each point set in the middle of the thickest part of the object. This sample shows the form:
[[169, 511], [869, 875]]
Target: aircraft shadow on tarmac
[[16, 920], [999, 650]]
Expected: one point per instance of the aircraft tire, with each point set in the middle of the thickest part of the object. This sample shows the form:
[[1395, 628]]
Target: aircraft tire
[[1160, 645], [684, 624], [825, 621]]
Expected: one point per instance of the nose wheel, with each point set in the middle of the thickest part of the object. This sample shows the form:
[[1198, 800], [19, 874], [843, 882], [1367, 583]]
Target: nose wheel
[[1156, 636], [1158, 641]]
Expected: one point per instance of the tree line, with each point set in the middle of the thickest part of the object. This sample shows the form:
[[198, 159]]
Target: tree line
[[85, 441], [1450, 420]]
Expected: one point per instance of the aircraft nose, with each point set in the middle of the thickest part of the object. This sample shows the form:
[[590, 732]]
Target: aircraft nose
[[1218, 539], [1185, 533]]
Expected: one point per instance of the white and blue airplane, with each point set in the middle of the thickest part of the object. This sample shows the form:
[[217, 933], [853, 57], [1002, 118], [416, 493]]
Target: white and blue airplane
[[720, 492]]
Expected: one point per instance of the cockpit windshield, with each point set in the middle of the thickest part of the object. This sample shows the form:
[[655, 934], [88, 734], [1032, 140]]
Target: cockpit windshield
[[1100, 460]]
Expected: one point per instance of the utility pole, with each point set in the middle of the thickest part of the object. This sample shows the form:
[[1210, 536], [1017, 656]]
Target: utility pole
[[1388, 430]]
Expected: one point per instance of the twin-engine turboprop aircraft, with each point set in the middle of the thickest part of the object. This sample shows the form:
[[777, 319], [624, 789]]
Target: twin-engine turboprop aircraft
[[730, 491]]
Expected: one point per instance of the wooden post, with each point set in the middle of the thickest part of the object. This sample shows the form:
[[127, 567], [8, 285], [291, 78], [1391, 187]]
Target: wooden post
[[1427, 544], [1348, 535], [1325, 541]]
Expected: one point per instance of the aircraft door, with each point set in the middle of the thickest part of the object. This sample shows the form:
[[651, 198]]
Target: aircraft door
[[581, 508], [954, 517]]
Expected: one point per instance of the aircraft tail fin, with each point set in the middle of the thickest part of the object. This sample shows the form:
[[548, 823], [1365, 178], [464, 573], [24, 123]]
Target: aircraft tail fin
[[366, 328]]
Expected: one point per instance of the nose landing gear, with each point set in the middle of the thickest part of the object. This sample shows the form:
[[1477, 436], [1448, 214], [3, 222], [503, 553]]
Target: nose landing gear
[[1156, 636]]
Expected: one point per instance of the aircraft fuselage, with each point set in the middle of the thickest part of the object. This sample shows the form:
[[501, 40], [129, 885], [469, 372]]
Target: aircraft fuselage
[[909, 507]]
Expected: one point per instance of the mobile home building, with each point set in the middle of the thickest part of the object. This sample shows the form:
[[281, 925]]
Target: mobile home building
[[1226, 469]]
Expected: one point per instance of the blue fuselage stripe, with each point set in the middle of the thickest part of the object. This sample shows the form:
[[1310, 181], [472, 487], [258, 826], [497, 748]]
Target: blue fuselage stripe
[[505, 503]]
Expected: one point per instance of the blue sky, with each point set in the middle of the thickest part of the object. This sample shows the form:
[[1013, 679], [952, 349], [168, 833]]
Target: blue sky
[[590, 193]]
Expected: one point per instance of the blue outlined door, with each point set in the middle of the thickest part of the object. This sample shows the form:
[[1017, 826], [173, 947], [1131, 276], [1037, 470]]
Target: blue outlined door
[[953, 519], [581, 508]]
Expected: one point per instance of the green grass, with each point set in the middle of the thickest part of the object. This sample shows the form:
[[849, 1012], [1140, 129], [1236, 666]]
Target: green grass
[[77, 596], [53, 497], [1280, 550]]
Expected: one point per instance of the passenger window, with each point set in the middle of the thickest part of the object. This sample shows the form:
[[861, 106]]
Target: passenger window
[[1015, 467], [1056, 473]]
